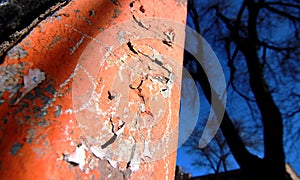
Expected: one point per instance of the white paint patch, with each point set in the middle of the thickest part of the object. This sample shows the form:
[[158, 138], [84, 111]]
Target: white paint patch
[[166, 93], [97, 152], [68, 111], [109, 51], [120, 74], [147, 152], [31, 81], [113, 163], [120, 37], [142, 107], [120, 131], [77, 157], [135, 166]]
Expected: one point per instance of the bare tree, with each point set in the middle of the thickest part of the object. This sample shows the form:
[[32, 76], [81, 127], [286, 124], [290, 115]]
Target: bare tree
[[260, 40], [214, 155]]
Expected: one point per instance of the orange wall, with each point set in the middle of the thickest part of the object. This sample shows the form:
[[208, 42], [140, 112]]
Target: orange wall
[[91, 71]]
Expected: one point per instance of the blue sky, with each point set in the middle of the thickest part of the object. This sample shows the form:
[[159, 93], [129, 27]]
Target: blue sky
[[238, 109], [188, 121]]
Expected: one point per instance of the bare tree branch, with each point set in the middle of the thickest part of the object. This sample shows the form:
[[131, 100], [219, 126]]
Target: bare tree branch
[[282, 13], [283, 4]]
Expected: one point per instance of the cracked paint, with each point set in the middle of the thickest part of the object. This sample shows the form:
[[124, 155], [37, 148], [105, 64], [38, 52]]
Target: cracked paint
[[144, 86], [93, 82]]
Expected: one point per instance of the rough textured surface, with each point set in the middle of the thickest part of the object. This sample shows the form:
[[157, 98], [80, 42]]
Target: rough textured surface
[[87, 95], [17, 14]]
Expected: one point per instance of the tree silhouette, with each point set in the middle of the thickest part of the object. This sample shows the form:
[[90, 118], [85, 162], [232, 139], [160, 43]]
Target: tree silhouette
[[259, 41]]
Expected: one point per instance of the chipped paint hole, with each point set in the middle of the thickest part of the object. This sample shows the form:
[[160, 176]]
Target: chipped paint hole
[[130, 46], [111, 95], [142, 9], [109, 142], [92, 13], [131, 4], [115, 2], [116, 13], [139, 23], [65, 157], [128, 165], [34, 79], [168, 43], [15, 148]]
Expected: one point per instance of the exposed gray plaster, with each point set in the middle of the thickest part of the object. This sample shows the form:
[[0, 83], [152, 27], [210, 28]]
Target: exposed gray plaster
[[57, 111], [10, 78], [15, 148], [73, 49], [17, 53]]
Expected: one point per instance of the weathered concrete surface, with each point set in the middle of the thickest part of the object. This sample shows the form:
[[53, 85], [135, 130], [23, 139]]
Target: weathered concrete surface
[[96, 85]]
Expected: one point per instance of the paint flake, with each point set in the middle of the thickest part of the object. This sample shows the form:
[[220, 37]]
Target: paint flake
[[113, 163], [77, 157], [97, 152], [31, 81], [147, 152]]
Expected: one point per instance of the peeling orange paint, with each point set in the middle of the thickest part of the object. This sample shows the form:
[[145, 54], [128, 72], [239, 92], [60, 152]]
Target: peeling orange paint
[[101, 84]]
